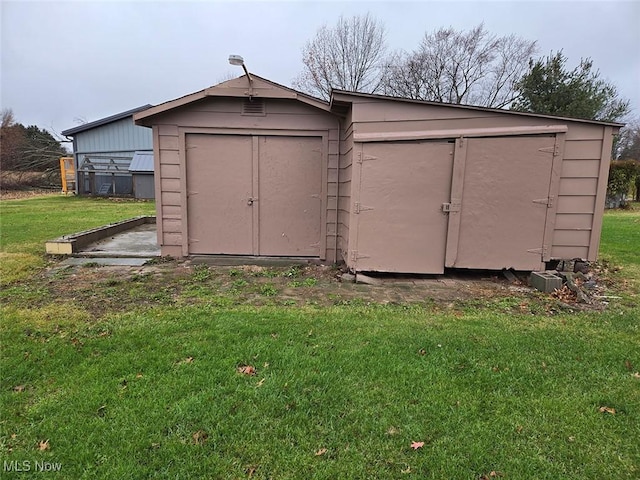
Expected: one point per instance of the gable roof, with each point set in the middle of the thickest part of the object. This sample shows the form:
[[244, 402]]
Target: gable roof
[[237, 87], [342, 97], [104, 121]]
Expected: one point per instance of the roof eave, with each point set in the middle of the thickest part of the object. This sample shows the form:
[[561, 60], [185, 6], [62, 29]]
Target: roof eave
[[281, 92], [341, 97]]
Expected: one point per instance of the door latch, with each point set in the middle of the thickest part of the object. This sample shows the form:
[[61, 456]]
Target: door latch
[[250, 200], [450, 207]]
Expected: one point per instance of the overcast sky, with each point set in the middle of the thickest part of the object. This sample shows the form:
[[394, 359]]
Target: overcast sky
[[64, 63]]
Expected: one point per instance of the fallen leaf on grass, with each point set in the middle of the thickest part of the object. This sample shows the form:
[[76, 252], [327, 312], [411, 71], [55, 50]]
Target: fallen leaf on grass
[[406, 470], [393, 431], [417, 445], [251, 470], [43, 445], [320, 452], [422, 351], [246, 370], [610, 410], [19, 388], [139, 375], [199, 437], [260, 383], [628, 365], [492, 474], [636, 375]]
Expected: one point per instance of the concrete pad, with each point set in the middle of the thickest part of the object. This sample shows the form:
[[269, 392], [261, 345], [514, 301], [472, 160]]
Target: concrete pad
[[139, 241], [106, 261], [73, 243]]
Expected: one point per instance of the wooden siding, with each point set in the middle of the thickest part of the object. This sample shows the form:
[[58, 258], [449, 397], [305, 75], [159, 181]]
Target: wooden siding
[[224, 115], [576, 203], [344, 187], [583, 168], [121, 135]]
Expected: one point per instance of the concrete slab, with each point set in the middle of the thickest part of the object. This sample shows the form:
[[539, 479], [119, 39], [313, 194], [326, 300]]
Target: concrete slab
[[73, 243], [106, 261], [139, 241]]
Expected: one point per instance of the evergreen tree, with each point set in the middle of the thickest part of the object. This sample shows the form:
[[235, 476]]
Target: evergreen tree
[[549, 88]]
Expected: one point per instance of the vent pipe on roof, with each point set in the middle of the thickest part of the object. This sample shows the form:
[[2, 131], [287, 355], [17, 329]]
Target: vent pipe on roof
[[238, 60]]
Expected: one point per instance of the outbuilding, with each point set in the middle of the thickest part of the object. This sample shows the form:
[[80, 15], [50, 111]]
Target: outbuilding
[[103, 151], [252, 168]]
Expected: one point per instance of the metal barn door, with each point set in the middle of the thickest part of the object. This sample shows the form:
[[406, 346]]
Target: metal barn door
[[504, 201], [254, 195], [400, 223]]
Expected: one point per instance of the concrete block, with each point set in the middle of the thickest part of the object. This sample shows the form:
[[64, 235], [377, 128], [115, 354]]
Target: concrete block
[[360, 278], [546, 282], [348, 277]]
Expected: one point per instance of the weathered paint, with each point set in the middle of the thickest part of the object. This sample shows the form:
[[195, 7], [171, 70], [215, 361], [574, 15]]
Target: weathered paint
[[575, 182], [383, 184], [398, 218], [284, 116]]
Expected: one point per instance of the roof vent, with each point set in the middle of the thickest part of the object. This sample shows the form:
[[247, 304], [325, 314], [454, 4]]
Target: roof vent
[[253, 106]]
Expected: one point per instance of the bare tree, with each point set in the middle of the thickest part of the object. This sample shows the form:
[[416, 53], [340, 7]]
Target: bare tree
[[348, 56], [474, 67], [627, 144]]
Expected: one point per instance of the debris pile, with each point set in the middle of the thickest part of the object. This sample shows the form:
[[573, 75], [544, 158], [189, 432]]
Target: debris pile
[[580, 285]]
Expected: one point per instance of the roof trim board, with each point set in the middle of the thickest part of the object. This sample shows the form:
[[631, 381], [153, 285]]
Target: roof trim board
[[342, 97], [262, 89], [455, 133]]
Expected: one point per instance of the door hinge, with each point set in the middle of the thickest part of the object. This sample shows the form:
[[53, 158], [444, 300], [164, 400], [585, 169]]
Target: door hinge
[[362, 157], [355, 256], [555, 150], [545, 201], [357, 207], [540, 251], [451, 207]]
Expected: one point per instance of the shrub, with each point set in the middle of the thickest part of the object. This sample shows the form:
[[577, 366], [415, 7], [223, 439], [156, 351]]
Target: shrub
[[622, 177]]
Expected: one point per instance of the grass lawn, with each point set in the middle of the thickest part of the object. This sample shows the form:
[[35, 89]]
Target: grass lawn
[[163, 390], [26, 224]]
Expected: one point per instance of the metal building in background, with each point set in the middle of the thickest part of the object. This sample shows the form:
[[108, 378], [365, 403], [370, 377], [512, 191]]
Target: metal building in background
[[103, 151], [141, 169]]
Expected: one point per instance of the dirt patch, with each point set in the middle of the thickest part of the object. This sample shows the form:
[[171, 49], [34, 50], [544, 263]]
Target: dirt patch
[[109, 289]]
